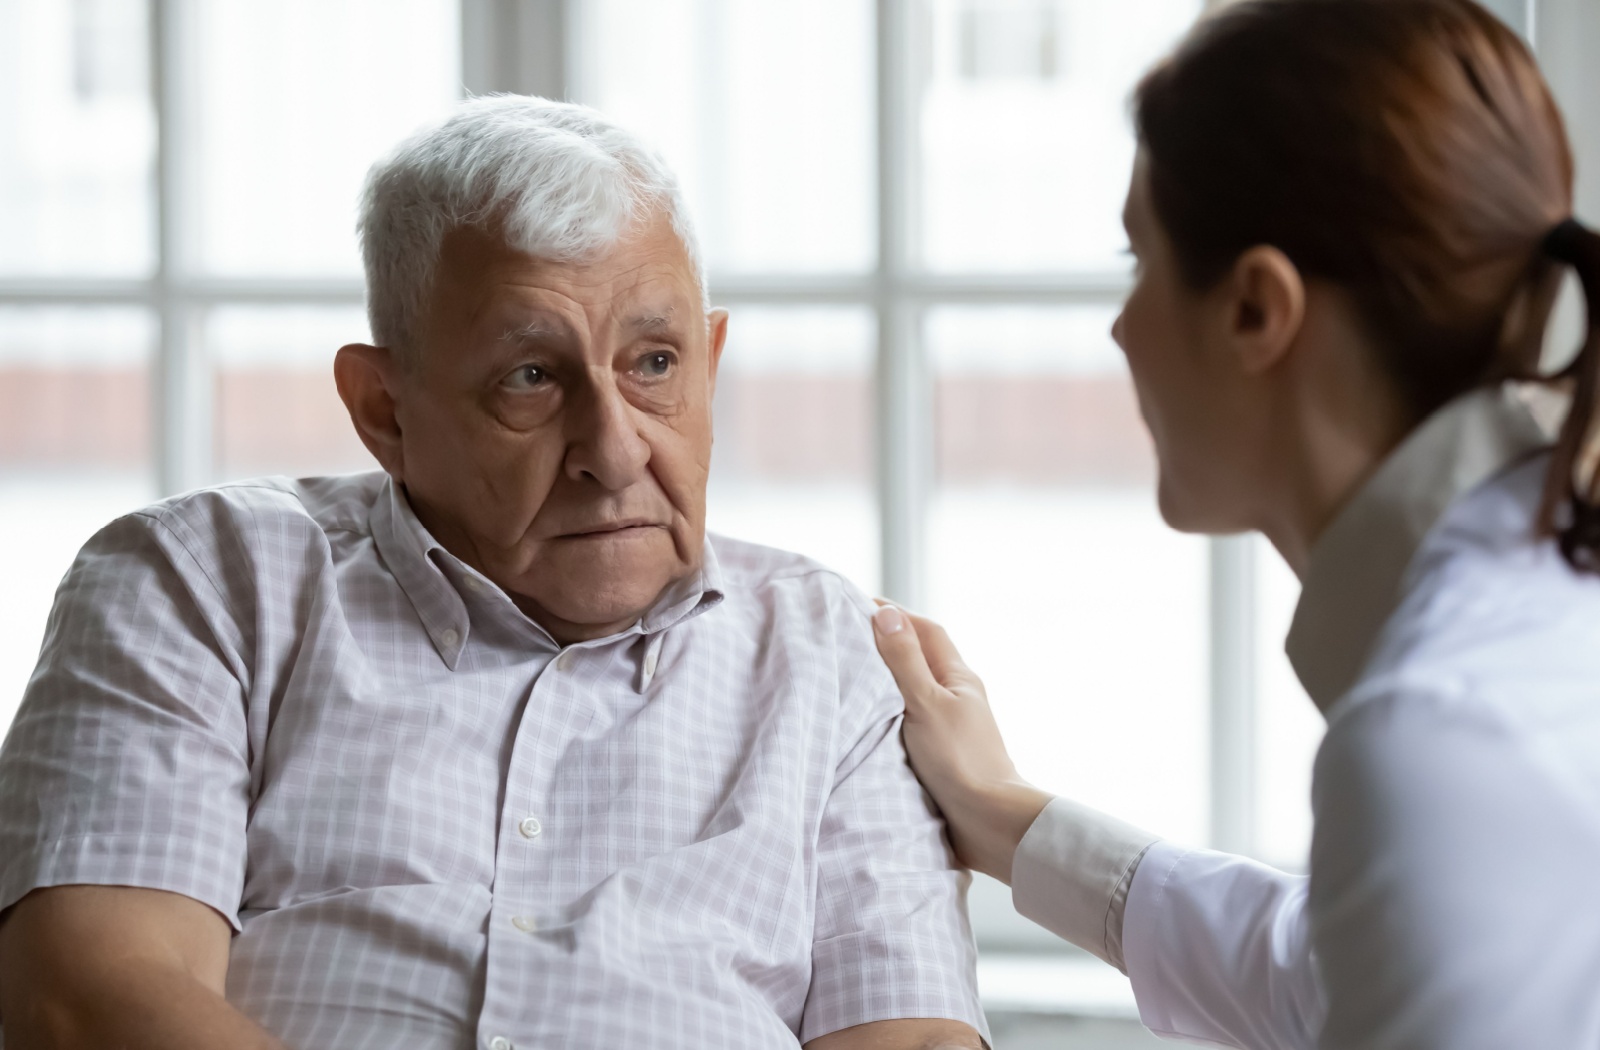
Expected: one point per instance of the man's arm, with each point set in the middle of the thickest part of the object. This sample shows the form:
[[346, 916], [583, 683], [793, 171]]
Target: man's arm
[[901, 1035], [893, 960], [126, 784], [115, 966]]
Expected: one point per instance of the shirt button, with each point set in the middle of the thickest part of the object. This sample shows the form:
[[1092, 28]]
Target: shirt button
[[525, 923], [564, 661], [500, 1042], [530, 827], [473, 585], [450, 638], [650, 665]]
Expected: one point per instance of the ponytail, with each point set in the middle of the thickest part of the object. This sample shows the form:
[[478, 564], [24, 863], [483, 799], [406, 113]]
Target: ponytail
[[1571, 510]]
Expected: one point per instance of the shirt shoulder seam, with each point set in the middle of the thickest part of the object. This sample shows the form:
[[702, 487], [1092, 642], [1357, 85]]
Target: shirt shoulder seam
[[159, 518]]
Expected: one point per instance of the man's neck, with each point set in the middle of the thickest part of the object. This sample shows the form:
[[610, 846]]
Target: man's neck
[[565, 632]]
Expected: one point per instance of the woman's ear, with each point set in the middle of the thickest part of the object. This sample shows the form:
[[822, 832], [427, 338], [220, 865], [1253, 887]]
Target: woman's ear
[[365, 376], [1266, 308]]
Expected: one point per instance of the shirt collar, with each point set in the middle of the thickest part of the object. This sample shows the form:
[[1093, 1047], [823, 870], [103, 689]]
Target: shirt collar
[[433, 579], [1353, 581], [689, 597], [409, 551]]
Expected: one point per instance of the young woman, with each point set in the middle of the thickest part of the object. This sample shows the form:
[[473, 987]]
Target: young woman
[[1351, 218]]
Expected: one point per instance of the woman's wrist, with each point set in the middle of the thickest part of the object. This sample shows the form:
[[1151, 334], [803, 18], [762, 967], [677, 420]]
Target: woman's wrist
[[988, 822]]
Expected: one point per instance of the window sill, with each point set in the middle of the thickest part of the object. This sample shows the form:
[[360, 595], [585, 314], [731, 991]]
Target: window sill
[[1071, 985]]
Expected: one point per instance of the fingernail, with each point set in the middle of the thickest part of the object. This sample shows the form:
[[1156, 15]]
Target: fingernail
[[888, 619]]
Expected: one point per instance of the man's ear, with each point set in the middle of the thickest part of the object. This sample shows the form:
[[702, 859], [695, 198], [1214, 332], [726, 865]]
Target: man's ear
[[1266, 308], [365, 376], [716, 339]]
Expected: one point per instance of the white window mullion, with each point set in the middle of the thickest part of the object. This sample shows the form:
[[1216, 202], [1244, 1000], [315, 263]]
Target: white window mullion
[[904, 389], [524, 46], [1233, 693], [184, 433]]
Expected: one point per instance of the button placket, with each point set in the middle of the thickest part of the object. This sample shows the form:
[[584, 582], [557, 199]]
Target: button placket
[[651, 661]]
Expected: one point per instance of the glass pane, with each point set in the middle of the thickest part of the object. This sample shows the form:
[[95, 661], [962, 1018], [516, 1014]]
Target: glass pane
[[1023, 127], [1288, 725], [763, 107], [75, 438], [278, 411], [299, 98], [793, 461], [1050, 565], [77, 138]]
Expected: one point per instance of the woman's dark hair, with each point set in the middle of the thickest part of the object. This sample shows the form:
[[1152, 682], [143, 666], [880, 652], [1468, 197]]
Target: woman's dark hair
[[1408, 151]]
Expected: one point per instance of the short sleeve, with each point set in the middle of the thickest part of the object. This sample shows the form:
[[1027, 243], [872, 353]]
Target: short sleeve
[[892, 939], [128, 760]]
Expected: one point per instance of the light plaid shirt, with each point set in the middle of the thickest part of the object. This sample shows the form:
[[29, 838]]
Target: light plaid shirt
[[432, 827]]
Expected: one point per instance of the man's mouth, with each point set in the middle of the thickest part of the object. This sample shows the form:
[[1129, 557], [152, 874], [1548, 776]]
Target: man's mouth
[[613, 528]]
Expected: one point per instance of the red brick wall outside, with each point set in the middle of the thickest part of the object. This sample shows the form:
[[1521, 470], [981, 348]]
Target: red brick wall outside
[[1029, 430], [804, 427], [53, 417], [1045, 430], [276, 421], [1050, 430]]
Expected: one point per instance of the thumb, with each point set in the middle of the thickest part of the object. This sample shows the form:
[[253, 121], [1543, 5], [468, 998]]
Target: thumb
[[902, 652]]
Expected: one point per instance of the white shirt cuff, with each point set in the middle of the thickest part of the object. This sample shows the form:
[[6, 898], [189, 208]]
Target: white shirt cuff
[[1072, 872]]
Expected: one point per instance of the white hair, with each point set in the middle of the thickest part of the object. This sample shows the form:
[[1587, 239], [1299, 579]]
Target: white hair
[[555, 180]]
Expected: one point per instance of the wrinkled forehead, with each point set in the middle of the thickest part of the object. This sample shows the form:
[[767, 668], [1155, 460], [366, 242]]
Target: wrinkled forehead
[[646, 318], [645, 280]]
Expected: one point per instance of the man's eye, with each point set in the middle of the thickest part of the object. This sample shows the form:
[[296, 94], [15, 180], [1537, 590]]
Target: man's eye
[[657, 365], [524, 377]]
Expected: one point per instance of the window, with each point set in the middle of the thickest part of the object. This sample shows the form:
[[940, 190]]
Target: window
[[172, 289], [997, 41]]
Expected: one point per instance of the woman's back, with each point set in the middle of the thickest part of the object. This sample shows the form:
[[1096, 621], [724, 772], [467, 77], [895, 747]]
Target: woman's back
[[1457, 793]]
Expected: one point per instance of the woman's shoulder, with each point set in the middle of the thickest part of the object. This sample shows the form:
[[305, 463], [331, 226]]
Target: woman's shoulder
[[1439, 751], [1494, 627]]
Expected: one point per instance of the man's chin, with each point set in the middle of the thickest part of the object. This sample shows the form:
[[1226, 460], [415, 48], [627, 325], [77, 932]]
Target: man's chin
[[591, 586], [583, 610]]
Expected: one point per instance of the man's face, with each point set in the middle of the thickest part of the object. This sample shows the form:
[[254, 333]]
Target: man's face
[[555, 423]]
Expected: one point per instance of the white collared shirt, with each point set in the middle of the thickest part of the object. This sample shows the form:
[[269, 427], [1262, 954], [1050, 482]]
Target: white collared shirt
[[432, 828], [1453, 900]]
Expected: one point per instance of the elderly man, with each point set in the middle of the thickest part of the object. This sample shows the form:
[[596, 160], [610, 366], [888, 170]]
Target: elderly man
[[494, 748]]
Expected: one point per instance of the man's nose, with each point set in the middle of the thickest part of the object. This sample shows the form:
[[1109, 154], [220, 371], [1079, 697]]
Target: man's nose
[[1116, 331], [603, 442]]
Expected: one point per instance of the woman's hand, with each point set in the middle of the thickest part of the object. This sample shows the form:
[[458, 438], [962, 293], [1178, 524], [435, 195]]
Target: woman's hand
[[955, 745]]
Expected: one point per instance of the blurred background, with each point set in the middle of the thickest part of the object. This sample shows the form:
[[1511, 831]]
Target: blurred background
[[911, 208]]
